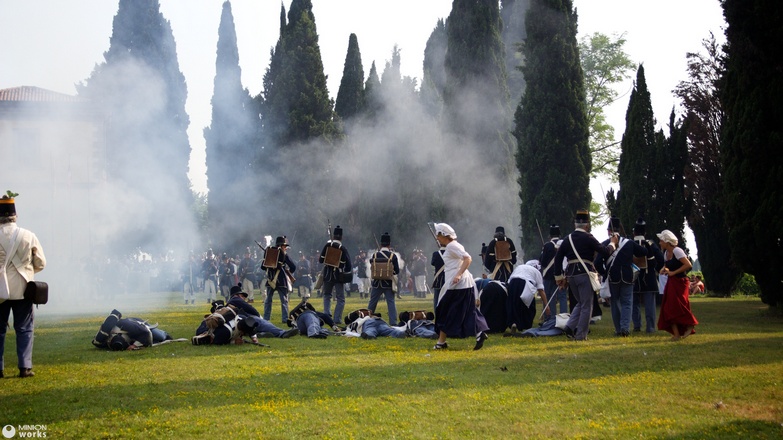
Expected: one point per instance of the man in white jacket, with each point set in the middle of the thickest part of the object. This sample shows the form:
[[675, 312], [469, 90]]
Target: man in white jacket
[[21, 256]]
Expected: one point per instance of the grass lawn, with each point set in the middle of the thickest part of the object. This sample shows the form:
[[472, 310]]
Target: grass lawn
[[723, 382]]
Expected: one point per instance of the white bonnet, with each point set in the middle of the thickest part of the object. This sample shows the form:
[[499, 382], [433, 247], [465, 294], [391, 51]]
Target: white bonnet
[[668, 237], [534, 263], [445, 230]]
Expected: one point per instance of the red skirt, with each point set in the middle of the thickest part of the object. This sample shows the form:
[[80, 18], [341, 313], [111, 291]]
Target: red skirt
[[675, 306]]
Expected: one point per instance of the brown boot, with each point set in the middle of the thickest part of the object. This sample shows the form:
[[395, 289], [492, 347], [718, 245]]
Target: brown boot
[[26, 372]]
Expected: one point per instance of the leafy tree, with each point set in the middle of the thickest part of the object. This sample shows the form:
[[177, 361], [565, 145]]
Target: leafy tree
[[751, 141], [433, 80], [230, 142], [605, 64], [553, 156], [703, 175], [141, 89], [350, 96], [513, 12]]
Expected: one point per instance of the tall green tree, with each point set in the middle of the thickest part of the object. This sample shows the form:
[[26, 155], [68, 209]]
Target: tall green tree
[[637, 158], [752, 141], [553, 155], [350, 96], [513, 34], [605, 64], [704, 173], [433, 81], [652, 166], [372, 93], [141, 89], [297, 98], [668, 202], [230, 142], [476, 98]]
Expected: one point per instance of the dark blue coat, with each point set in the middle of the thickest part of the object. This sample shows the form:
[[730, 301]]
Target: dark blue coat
[[586, 245], [619, 269]]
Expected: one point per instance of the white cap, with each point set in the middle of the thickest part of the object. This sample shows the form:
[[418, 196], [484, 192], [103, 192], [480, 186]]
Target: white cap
[[534, 263], [445, 230], [668, 237]]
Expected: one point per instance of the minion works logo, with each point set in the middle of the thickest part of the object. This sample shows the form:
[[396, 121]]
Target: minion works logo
[[24, 431]]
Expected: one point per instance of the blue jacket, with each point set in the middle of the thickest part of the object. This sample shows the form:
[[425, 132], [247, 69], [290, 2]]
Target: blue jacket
[[619, 264]]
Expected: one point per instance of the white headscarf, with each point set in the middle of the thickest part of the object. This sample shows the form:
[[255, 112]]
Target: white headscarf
[[534, 263], [445, 230], [668, 236]]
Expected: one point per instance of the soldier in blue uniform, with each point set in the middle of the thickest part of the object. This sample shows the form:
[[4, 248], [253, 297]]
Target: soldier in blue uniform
[[279, 272], [617, 268], [646, 285], [209, 270], [382, 283], [547, 261], [336, 272], [247, 276], [578, 248], [501, 256]]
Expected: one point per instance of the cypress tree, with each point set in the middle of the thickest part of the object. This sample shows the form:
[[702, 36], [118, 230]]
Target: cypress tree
[[350, 96], [433, 80], [297, 106], [372, 90], [143, 93], [751, 141], [310, 110], [637, 159], [229, 143], [553, 157], [668, 179]]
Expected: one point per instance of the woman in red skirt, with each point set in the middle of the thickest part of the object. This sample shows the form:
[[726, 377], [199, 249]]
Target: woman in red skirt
[[676, 317]]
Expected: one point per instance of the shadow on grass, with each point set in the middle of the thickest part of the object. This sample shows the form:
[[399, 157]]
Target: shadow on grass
[[757, 429]]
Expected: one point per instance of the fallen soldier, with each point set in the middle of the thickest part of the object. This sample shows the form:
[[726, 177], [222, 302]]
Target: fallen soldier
[[368, 325], [118, 333], [419, 324], [309, 322]]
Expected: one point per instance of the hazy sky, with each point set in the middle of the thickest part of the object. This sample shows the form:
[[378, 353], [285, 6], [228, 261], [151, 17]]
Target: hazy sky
[[55, 44]]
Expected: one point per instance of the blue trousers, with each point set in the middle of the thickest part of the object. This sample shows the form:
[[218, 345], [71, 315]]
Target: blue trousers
[[559, 304], [622, 299], [422, 329], [283, 292], [648, 300], [375, 295], [309, 324], [579, 321], [264, 326], [339, 299], [23, 326], [377, 327]]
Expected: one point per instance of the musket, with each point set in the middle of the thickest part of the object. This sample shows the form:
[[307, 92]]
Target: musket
[[329, 228], [261, 246], [539, 233], [431, 227], [376, 241]]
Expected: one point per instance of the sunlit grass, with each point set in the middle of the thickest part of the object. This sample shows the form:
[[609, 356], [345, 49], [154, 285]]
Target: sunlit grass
[[723, 382]]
